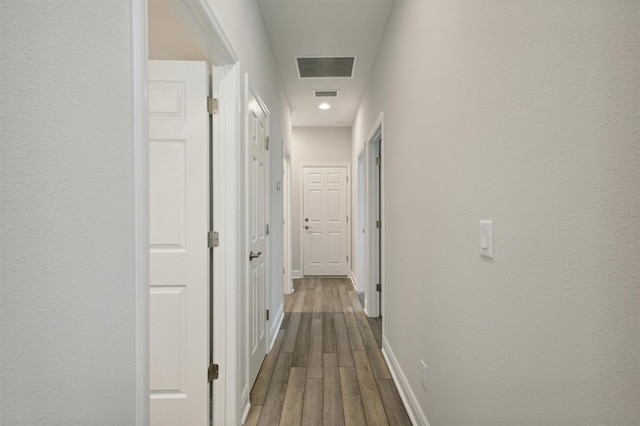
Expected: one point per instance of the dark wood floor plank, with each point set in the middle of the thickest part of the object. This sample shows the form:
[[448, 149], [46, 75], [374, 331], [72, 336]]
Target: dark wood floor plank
[[376, 328], [272, 407], [355, 338], [294, 322], [351, 399], [293, 399], [345, 359], [289, 300], [393, 406], [328, 333], [371, 400], [261, 385], [253, 416], [333, 413], [378, 365], [312, 409], [301, 352], [314, 362], [337, 302]]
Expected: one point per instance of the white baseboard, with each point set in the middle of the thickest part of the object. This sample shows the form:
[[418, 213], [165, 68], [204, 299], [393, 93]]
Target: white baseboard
[[354, 280], [409, 399], [244, 405], [296, 273], [275, 325]]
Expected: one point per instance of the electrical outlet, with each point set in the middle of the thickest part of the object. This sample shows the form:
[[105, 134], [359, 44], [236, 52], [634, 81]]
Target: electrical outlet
[[424, 374]]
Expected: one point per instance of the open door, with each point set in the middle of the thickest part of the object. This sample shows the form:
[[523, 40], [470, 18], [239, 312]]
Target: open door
[[258, 229], [179, 271]]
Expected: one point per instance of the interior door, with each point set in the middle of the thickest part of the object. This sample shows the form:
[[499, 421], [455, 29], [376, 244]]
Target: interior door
[[258, 197], [179, 214], [325, 220]]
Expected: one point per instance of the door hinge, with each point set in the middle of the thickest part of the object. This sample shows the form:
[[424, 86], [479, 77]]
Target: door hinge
[[378, 224], [267, 315], [213, 239], [212, 372], [282, 271], [347, 258], [266, 143], [347, 179], [212, 105], [378, 287], [347, 219], [267, 229], [378, 161]]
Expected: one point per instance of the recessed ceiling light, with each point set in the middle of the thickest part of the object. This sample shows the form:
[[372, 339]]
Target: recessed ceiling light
[[324, 106]]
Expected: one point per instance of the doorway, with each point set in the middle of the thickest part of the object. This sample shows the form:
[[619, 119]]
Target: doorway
[[375, 223], [286, 229], [196, 36]]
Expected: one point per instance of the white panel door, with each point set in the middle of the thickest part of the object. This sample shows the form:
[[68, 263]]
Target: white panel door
[[258, 190], [179, 213], [324, 220]]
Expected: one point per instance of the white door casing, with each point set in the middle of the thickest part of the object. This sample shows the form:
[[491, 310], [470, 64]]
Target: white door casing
[[325, 210], [179, 255], [258, 192]]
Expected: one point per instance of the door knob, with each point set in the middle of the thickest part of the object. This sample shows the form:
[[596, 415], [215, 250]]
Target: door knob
[[306, 219], [253, 255], [307, 227]]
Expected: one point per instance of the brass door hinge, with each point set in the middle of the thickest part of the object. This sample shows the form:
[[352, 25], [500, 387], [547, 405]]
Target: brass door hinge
[[378, 287], [267, 315]]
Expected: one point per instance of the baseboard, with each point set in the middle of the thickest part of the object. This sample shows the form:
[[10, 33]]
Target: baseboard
[[296, 274], [275, 326], [354, 280], [404, 388], [244, 404]]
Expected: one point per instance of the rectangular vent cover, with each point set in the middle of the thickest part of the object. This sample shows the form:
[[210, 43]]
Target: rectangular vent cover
[[326, 67], [325, 93]]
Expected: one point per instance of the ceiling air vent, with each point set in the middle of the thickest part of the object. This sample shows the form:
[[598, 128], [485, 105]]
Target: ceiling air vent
[[325, 67], [325, 93]]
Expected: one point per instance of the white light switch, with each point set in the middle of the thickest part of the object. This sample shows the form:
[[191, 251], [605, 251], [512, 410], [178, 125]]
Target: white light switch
[[486, 238]]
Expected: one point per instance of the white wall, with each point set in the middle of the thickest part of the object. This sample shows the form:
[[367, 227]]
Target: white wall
[[525, 113], [67, 296], [242, 23], [313, 145]]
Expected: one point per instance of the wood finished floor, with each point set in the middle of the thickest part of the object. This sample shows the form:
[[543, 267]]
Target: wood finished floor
[[325, 367]]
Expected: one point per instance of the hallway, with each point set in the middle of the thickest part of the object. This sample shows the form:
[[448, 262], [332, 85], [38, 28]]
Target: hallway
[[326, 366]]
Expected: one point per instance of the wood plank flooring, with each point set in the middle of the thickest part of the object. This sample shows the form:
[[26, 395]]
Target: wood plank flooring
[[326, 367]]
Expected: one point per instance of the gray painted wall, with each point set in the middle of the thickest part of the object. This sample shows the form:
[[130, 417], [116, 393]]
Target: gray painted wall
[[313, 145], [66, 207], [526, 113]]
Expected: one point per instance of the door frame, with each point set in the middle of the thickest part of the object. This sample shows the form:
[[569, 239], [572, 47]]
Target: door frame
[[374, 305], [360, 222], [199, 18], [349, 223], [286, 229]]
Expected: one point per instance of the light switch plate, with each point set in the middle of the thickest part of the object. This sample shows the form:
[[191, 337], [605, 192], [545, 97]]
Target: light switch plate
[[486, 238]]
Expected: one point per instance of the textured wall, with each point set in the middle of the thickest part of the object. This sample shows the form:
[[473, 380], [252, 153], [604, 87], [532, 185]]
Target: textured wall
[[328, 145], [67, 292], [526, 113]]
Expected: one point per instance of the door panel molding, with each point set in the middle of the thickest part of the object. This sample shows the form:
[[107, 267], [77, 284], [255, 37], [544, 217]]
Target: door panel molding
[[349, 224]]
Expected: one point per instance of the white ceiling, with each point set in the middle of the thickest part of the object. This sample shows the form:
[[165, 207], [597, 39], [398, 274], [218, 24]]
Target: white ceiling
[[324, 28]]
